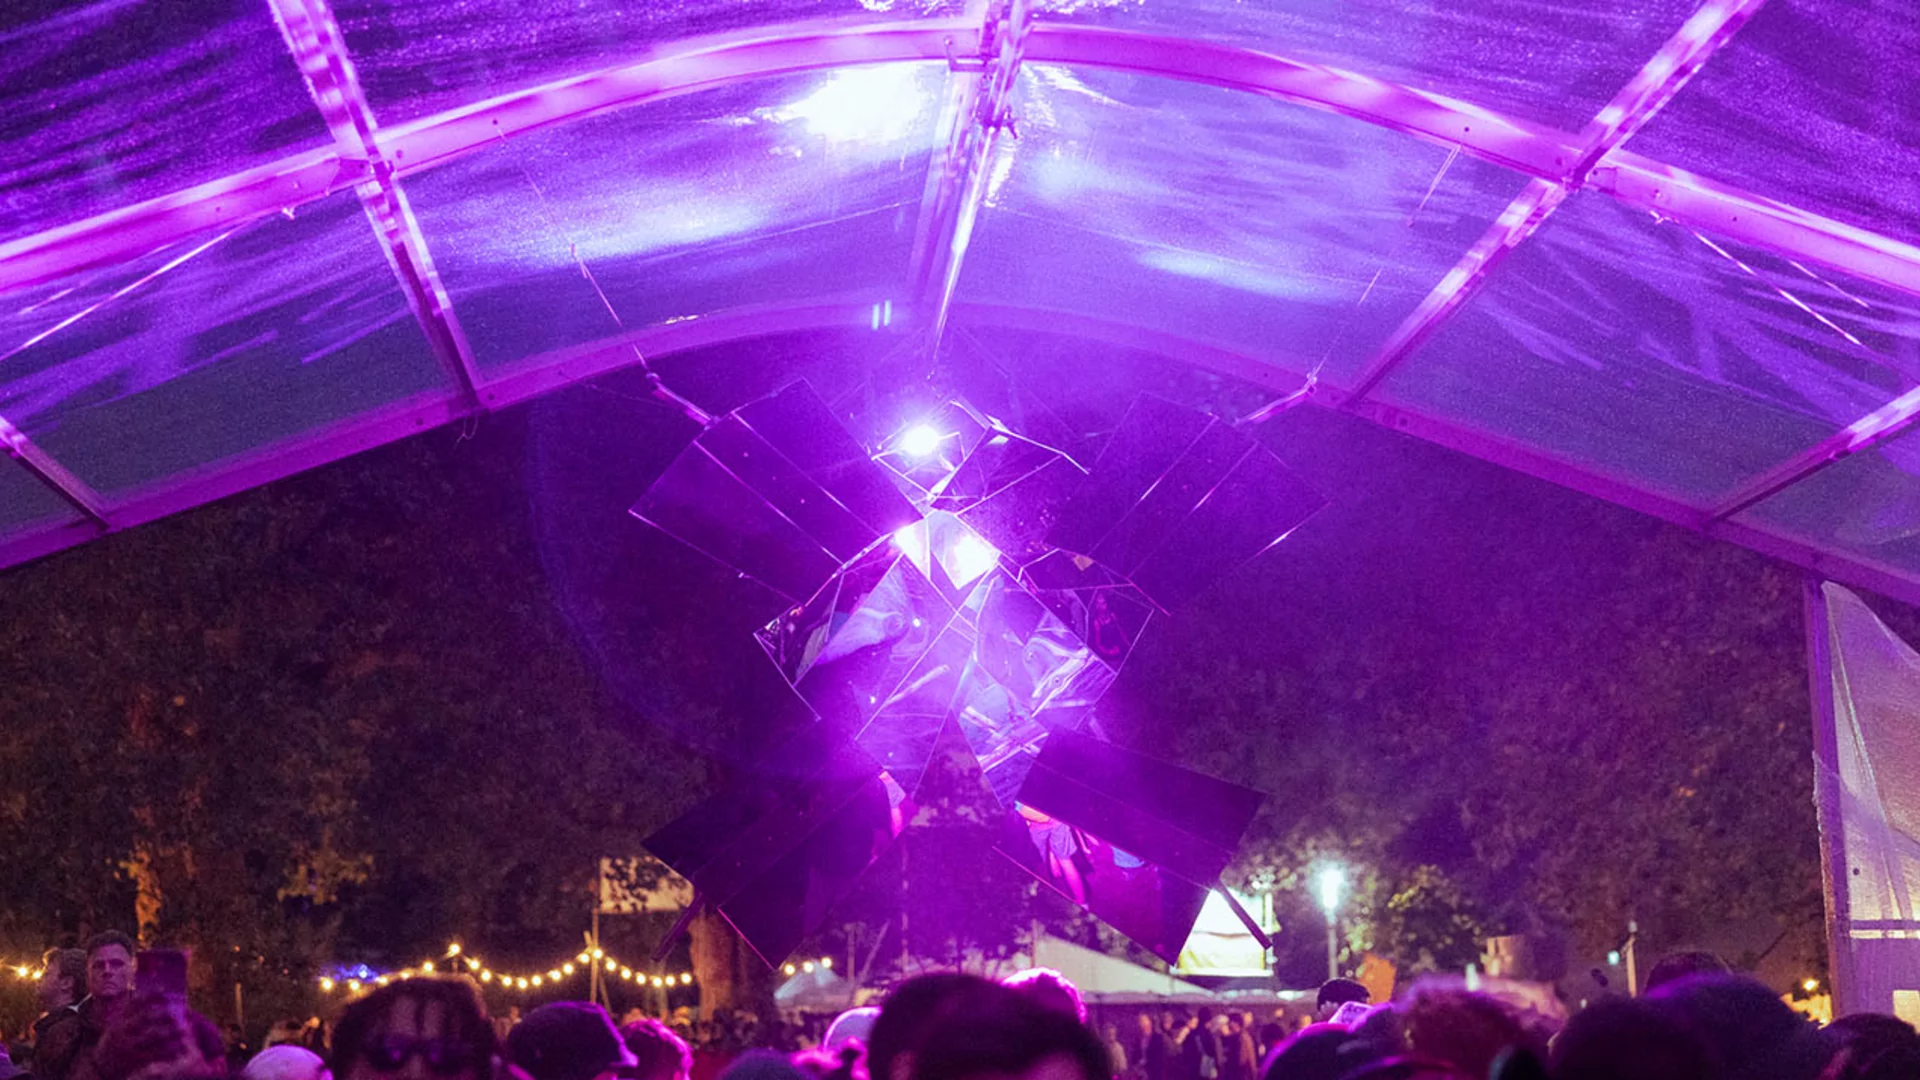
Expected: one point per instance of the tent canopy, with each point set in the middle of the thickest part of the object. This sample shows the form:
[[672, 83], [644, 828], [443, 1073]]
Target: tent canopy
[[1659, 251], [1104, 978]]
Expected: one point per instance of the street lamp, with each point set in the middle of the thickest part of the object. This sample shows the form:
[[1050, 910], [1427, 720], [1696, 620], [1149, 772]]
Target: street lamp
[[1328, 885]]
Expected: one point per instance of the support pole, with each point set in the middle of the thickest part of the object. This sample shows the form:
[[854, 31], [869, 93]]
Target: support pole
[[1631, 952], [1333, 948], [593, 977]]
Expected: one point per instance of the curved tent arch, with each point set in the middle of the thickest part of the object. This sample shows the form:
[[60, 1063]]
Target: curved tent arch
[[1555, 161]]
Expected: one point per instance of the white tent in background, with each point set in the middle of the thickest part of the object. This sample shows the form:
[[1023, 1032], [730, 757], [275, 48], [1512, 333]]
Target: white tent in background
[[817, 990], [1866, 694], [1110, 979]]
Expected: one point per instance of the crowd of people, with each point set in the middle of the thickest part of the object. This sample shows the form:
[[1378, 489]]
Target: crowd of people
[[1695, 1022]]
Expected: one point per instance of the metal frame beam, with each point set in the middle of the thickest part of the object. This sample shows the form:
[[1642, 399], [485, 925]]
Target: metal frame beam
[[1702, 35], [684, 67], [542, 374], [313, 36], [957, 192], [77, 492], [374, 160]]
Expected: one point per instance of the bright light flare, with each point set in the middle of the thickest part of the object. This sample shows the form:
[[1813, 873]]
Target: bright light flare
[[971, 557], [1328, 885], [921, 440], [875, 104]]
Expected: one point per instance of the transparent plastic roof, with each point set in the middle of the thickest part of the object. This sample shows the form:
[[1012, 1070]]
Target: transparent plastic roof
[[1656, 250]]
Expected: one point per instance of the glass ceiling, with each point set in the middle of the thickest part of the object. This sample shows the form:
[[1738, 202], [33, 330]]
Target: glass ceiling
[[1656, 250]]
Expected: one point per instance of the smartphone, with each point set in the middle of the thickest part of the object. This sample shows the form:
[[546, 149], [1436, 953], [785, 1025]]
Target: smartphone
[[163, 972]]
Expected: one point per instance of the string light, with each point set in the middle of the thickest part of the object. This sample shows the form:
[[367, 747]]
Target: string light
[[456, 957]]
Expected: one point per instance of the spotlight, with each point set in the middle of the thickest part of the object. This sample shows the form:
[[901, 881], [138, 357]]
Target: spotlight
[[920, 440]]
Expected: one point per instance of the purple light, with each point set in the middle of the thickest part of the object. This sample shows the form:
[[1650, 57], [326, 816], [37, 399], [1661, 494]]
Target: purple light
[[956, 549], [970, 558], [921, 440]]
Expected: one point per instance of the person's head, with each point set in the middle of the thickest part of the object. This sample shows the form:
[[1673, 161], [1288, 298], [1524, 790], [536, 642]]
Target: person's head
[[285, 1063], [1682, 965], [567, 1040], [1145, 1020], [1050, 990], [64, 980], [1465, 1029], [1628, 1039], [658, 1053], [431, 1028], [1749, 1029], [854, 1025], [110, 965], [1005, 1035], [1871, 1046], [1318, 1052], [912, 1011], [1337, 992], [1204, 1018]]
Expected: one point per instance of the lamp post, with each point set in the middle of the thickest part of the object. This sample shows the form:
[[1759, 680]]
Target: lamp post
[[1328, 884]]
